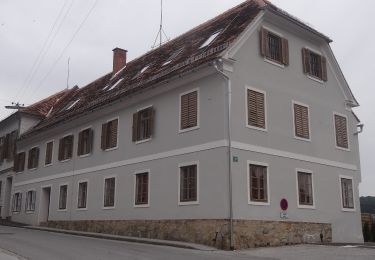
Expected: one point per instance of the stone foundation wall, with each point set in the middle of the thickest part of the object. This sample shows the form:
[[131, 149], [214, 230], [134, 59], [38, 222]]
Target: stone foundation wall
[[247, 233]]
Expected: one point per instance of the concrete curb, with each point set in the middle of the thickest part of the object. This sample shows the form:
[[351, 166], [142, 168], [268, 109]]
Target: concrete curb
[[159, 242]]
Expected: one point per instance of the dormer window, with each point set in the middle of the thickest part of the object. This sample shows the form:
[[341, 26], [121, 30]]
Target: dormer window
[[72, 104], [273, 47], [116, 84], [210, 40], [172, 57], [141, 71]]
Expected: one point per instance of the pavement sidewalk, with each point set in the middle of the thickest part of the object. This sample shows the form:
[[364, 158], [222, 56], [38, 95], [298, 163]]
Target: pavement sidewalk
[[177, 244], [6, 255]]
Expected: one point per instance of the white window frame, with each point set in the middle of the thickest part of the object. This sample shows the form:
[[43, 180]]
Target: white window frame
[[67, 197], [347, 132], [249, 201], [81, 130], [148, 171], [301, 206], [118, 135], [342, 204], [116, 188], [265, 129], [27, 162], [30, 211], [294, 121], [87, 194], [180, 131], [45, 152], [67, 160], [187, 203], [148, 139]]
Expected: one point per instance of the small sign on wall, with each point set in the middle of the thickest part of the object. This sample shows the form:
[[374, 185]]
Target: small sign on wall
[[235, 158], [284, 207]]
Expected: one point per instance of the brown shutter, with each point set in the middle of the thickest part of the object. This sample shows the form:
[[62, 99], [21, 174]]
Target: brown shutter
[[70, 151], [324, 68], [61, 149], [184, 111], [2, 148], [90, 140], [193, 109], [135, 127], [301, 121], [104, 136], [263, 42], [114, 131], [256, 109], [80, 145], [341, 131], [285, 51], [151, 125], [306, 60], [29, 159], [36, 157], [49, 151]]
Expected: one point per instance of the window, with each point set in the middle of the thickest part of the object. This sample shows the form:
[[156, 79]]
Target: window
[[188, 183], [109, 192], [63, 197], [314, 64], [258, 183], [301, 121], [210, 39], [189, 110], [33, 159], [305, 188], [341, 131], [85, 140], [172, 57], [347, 193], [142, 189], [49, 153], [256, 110], [19, 162], [17, 202], [66, 148], [274, 47], [143, 124], [82, 195], [30, 200], [109, 134], [72, 104]]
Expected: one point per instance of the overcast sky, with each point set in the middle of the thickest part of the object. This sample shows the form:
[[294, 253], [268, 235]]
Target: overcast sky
[[37, 38]]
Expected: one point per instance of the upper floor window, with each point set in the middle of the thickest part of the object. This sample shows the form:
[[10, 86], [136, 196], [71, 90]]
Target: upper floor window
[[341, 131], [305, 188], [256, 109], [301, 121], [142, 189], [258, 178], [143, 124], [347, 193], [30, 200], [109, 134], [189, 110], [314, 64], [66, 148], [49, 153], [274, 47], [17, 202], [19, 162], [33, 158], [85, 140], [8, 146], [189, 183]]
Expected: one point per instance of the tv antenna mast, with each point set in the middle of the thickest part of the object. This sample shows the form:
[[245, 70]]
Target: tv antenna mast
[[15, 106], [161, 33]]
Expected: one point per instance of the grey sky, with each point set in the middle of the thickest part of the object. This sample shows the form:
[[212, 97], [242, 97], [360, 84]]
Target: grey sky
[[132, 25]]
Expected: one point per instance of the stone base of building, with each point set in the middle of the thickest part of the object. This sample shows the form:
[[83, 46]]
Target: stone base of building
[[211, 232]]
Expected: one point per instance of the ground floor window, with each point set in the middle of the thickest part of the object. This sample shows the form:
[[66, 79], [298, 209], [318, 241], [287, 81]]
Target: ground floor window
[[258, 183], [188, 183], [305, 190], [82, 195], [109, 192], [142, 188], [17, 202], [30, 200], [347, 193], [63, 197]]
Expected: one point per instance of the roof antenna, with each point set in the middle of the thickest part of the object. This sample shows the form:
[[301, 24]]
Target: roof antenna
[[15, 106], [161, 31], [67, 79]]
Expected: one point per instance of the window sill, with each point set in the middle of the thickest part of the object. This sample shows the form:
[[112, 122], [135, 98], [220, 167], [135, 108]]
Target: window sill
[[275, 63], [30, 212], [142, 206], [65, 160], [257, 128], [48, 165], [81, 209], [32, 169], [315, 79], [111, 149], [62, 210], [180, 131], [109, 208], [348, 210], [302, 139], [16, 212], [84, 155], [143, 141], [306, 206], [342, 149], [187, 203], [258, 203]]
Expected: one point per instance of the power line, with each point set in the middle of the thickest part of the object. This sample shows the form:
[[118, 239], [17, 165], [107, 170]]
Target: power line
[[66, 47], [47, 45]]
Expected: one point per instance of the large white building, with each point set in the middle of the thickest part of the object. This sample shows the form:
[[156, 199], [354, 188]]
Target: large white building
[[238, 133]]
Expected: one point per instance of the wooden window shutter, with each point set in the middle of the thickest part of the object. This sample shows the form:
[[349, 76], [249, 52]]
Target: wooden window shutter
[[80, 143], [104, 136], [306, 60], [193, 109], [90, 140], [114, 133], [49, 150], [61, 149], [263, 42], [184, 112], [135, 127], [36, 162], [301, 121], [323, 61], [30, 159], [256, 109], [70, 150], [285, 51], [151, 125], [341, 132]]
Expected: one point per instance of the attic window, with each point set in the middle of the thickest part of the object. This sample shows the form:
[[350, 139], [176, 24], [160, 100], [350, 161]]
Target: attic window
[[116, 84], [210, 39], [71, 104], [141, 71], [172, 57]]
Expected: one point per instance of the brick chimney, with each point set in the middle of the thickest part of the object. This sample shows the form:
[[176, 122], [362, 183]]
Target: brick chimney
[[119, 59]]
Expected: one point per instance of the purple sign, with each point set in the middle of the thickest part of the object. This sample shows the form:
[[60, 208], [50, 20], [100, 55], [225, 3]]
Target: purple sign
[[284, 204]]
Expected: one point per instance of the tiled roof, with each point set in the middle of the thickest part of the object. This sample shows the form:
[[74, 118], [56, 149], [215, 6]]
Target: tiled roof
[[188, 55]]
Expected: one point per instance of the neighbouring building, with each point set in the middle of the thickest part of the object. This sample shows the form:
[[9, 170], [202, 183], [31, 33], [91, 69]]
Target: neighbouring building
[[238, 133]]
